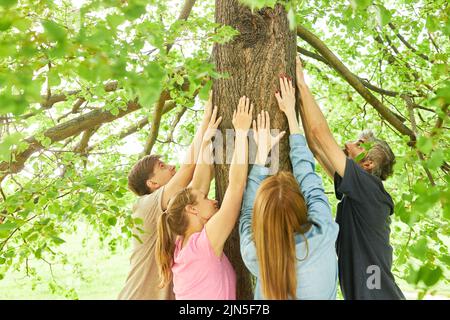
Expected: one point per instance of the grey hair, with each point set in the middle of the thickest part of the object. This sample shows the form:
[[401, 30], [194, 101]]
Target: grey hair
[[380, 153]]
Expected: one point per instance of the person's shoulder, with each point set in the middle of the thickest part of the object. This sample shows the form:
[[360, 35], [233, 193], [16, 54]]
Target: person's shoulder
[[148, 198]]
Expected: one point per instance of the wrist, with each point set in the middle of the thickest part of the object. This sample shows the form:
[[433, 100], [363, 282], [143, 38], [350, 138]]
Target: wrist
[[261, 158], [291, 114], [206, 143], [241, 132]]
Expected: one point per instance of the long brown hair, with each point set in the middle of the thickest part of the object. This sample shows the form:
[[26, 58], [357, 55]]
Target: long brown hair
[[171, 223], [279, 212]]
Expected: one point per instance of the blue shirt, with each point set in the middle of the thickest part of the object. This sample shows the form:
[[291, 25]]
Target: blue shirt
[[317, 274]]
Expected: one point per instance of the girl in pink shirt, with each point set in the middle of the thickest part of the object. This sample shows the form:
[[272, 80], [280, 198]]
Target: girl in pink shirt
[[195, 259]]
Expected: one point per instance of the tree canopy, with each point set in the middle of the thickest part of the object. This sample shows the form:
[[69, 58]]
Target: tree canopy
[[82, 83]]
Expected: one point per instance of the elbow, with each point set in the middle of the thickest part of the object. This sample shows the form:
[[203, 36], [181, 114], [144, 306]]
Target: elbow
[[318, 132]]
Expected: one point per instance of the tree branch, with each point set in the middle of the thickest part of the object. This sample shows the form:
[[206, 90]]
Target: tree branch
[[83, 144], [184, 15], [174, 124], [365, 82], [387, 114], [406, 43], [61, 132], [157, 114], [410, 106], [169, 105], [49, 102]]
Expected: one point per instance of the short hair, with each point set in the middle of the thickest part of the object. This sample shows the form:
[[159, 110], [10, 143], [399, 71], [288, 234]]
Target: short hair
[[140, 173], [380, 153]]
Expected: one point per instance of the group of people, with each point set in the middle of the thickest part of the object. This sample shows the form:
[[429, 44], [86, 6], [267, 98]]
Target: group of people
[[288, 238]]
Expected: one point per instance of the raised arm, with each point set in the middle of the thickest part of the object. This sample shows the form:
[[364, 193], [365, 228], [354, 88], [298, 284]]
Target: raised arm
[[184, 175], [316, 127], [219, 227], [265, 142], [302, 161], [203, 170]]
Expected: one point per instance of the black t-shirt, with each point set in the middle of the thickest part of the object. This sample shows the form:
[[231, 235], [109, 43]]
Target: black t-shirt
[[364, 252]]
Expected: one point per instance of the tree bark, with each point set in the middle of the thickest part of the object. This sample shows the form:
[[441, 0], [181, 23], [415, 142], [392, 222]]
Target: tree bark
[[264, 49]]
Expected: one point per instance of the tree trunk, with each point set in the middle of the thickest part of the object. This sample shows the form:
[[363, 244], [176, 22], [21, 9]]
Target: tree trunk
[[264, 49]]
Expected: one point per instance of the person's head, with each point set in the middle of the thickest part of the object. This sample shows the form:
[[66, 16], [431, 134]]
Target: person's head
[[279, 213], [379, 160], [149, 174], [189, 209]]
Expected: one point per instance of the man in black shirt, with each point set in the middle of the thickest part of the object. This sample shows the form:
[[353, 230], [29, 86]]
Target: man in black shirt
[[363, 215]]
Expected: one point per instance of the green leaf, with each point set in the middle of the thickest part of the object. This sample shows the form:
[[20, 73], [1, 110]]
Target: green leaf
[[412, 277], [258, 4], [5, 23], [445, 259], [134, 11], [57, 240], [10, 143], [8, 226], [7, 3], [361, 156], [22, 24], [204, 92], [436, 160], [360, 4], [419, 249], [439, 69], [114, 20], [114, 111], [91, 182], [53, 78], [384, 15], [54, 31], [424, 144], [291, 18], [430, 276], [112, 221], [432, 23], [447, 27]]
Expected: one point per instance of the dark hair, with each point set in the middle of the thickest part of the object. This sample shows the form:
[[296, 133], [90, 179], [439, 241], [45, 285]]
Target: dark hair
[[140, 173], [381, 154]]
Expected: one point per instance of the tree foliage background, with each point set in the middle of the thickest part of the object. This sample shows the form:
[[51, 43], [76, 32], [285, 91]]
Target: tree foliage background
[[83, 82]]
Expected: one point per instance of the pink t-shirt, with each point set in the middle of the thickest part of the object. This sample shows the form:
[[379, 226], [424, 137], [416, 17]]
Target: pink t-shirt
[[198, 274]]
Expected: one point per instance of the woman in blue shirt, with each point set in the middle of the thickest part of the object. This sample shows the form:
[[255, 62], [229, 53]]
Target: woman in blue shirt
[[287, 232]]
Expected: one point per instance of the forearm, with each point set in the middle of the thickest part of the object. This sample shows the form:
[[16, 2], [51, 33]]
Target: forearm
[[316, 125], [312, 144], [239, 163], [194, 149], [203, 170], [294, 127], [324, 163], [324, 145]]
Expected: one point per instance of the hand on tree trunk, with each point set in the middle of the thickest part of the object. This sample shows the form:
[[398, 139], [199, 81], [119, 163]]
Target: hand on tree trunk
[[286, 102]]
